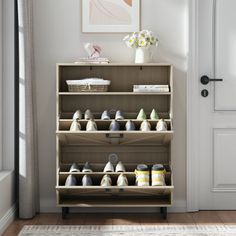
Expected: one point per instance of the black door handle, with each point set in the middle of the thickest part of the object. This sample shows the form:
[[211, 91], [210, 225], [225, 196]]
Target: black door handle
[[205, 80]]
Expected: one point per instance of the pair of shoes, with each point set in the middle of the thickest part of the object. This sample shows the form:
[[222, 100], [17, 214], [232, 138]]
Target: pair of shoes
[[106, 115], [86, 168], [142, 115], [146, 126], [143, 175], [110, 168], [79, 116], [91, 126], [121, 181], [115, 126]]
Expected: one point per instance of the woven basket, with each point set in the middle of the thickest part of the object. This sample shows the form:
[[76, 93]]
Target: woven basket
[[87, 88]]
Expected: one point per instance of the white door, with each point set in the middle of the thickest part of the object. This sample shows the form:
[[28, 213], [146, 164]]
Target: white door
[[217, 59]]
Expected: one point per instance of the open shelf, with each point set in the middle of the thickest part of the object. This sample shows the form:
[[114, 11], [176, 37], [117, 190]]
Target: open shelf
[[79, 201], [114, 93], [127, 115]]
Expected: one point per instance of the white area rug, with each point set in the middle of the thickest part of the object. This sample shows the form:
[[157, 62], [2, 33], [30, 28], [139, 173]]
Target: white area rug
[[129, 230]]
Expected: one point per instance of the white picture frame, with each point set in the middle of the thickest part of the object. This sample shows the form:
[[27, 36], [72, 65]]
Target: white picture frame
[[122, 16]]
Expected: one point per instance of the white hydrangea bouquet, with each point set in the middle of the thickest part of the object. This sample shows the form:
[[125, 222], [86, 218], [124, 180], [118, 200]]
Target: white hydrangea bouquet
[[141, 41], [144, 38]]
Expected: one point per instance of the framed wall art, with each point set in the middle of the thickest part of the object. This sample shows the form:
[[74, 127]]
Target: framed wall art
[[110, 16]]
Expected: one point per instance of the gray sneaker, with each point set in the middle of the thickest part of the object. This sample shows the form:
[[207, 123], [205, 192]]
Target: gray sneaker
[[71, 181], [88, 115], [105, 115], [87, 168], [87, 181], [130, 126], [74, 168], [114, 126], [119, 115]]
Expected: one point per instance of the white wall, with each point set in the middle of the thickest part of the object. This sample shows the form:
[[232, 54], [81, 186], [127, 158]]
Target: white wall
[[7, 194], [58, 38], [8, 84], [1, 84]]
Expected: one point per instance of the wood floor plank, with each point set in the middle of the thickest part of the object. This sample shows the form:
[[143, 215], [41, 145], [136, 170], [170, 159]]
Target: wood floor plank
[[126, 219], [18, 224], [180, 218], [151, 219], [227, 217], [72, 219], [206, 217], [98, 219], [48, 219]]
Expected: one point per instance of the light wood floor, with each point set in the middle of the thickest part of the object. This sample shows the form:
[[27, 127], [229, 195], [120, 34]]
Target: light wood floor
[[202, 217]]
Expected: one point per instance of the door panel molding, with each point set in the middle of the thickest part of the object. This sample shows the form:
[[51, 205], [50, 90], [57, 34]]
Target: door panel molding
[[215, 9], [223, 159]]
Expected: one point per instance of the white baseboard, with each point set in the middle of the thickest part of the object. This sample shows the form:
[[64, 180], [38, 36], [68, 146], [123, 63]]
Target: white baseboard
[[7, 219], [49, 206]]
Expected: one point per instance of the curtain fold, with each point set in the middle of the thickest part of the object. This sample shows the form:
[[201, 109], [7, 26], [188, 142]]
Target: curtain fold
[[28, 161]]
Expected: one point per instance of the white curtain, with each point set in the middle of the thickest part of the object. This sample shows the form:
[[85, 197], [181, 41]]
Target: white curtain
[[28, 163]]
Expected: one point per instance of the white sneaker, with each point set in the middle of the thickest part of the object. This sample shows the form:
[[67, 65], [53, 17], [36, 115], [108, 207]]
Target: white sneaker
[[122, 180], [120, 167], [77, 115], [109, 167], [145, 126], [106, 181], [75, 126], [88, 115], [91, 126], [161, 125]]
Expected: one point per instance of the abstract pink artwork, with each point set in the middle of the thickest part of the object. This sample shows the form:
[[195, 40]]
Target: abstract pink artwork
[[110, 15]]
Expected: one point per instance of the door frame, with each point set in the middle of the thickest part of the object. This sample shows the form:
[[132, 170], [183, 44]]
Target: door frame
[[193, 89]]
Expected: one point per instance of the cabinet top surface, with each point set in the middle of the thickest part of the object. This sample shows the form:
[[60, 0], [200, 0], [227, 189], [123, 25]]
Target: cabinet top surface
[[115, 64]]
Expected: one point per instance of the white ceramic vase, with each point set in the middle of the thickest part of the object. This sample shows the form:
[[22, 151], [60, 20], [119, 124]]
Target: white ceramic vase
[[142, 55]]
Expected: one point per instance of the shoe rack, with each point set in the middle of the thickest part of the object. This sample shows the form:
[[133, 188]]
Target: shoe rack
[[132, 147]]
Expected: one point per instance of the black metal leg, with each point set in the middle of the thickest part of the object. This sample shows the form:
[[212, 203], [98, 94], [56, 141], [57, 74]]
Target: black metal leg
[[64, 212], [161, 210], [164, 212]]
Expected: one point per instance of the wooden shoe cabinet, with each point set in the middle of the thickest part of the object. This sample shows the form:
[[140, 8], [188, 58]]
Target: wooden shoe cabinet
[[132, 147]]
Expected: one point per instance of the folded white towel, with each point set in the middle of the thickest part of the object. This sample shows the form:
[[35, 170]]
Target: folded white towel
[[89, 81]]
